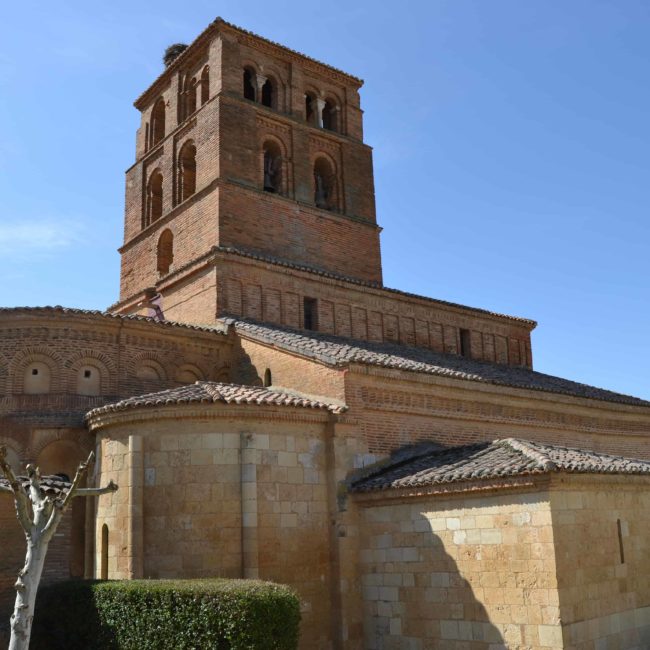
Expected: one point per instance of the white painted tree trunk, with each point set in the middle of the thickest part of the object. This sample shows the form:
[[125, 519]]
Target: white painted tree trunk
[[39, 514], [26, 588]]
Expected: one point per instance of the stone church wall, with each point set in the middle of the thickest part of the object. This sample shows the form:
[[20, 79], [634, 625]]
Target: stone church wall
[[465, 572], [220, 490], [602, 537]]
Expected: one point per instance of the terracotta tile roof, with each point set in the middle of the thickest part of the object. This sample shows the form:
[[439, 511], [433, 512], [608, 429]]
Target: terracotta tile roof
[[50, 485], [341, 351], [270, 259], [490, 460], [211, 392], [57, 309]]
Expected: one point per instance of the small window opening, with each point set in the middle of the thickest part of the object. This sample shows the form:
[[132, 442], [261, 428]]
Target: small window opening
[[620, 540], [310, 309], [465, 343], [272, 168], [267, 93], [205, 85], [165, 252], [309, 108], [329, 116], [37, 378], [103, 571], [187, 171], [88, 381], [324, 185], [267, 377], [249, 87]]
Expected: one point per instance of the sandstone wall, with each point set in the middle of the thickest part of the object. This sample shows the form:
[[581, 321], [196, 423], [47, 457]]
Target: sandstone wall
[[460, 573], [602, 535], [221, 494]]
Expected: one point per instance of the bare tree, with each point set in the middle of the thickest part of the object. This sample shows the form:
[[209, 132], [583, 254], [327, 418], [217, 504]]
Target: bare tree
[[39, 514]]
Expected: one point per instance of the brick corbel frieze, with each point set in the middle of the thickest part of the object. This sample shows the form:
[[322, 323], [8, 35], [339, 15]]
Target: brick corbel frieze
[[536, 415]]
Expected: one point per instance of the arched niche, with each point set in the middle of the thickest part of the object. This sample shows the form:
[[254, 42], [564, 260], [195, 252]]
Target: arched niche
[[60, 457]]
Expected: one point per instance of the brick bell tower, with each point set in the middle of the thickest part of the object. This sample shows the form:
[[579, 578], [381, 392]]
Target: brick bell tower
[[252, 187]]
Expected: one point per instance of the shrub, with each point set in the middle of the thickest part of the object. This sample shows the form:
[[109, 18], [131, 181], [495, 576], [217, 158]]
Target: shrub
[[210, 614]]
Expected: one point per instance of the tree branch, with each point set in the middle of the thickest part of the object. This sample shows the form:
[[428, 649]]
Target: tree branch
[[81, 472], [34, 475], [20, 495]]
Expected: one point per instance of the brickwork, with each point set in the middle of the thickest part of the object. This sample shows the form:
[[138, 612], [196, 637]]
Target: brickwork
[[126, 357], [398, 408], [229, 132]]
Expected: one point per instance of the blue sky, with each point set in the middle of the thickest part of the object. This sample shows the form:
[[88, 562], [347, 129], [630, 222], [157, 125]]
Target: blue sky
[[510, 146]]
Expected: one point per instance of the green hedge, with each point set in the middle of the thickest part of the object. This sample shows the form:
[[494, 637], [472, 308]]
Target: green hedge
[[211, 614]]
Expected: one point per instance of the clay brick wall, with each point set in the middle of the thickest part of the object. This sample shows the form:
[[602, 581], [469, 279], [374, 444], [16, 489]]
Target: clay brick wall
[[604, 590], [191, 298], [253, 359], [396, 408], [273, 294], [460, 573], [131, 358], [273, 225], [229, 133]]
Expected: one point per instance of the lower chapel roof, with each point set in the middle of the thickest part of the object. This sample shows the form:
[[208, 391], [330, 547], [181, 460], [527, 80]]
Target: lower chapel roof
[[50, 485], [211, 392], [505, 458], [341, 351]]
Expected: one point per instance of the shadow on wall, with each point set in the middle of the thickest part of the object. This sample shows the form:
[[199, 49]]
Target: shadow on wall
[[415, 597]]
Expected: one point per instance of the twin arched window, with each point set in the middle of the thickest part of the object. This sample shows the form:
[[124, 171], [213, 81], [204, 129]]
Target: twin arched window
[[191, 92], [321, 112], [260, 88], [186, 184]]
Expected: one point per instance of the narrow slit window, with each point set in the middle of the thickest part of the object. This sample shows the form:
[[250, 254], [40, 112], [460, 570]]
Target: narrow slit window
[[187, 171], [465, 343], [310, 309], [158, 122], [249, 86], [205, 85], [621, 550], [268, 380], [103, 570], [268, 94]]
